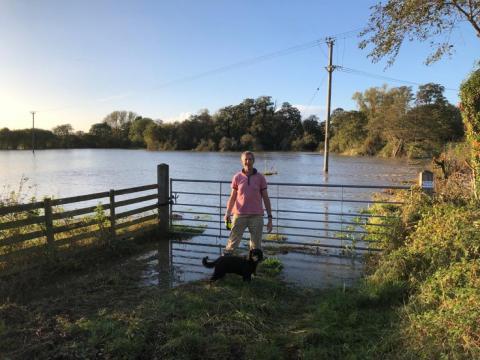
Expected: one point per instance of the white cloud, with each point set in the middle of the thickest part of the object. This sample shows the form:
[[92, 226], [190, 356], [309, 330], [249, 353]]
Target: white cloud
[[308, 110], [180, 117]]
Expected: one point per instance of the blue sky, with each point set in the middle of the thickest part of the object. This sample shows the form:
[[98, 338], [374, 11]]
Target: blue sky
[[76, 61]]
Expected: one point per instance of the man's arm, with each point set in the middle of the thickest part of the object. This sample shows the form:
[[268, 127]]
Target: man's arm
[[230, 203], [268, 207]]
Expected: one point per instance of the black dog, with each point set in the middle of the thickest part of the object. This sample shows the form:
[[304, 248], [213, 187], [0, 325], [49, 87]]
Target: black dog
[[242, 266]]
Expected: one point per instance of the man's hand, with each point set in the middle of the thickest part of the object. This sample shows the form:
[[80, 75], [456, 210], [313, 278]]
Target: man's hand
[[269, 225], [226, 217]]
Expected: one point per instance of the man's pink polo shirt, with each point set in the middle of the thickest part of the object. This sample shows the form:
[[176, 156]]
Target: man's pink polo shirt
[[249, 193]]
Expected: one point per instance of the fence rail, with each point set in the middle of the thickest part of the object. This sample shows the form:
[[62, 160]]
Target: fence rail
[[43, 223], [45, 226], [327, 216]]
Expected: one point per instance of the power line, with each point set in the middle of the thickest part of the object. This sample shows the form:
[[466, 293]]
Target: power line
[[317, 90], [245, 63], [380, 77], [323, 52], [236, 65], [345, 34], [240, 64]]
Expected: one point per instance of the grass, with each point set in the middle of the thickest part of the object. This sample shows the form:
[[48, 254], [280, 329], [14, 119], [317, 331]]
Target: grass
[[103, 312], [276, 237]]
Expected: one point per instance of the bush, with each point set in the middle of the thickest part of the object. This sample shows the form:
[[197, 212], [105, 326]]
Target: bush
[[470, 96], [435, 271], [453, 176], [423, 150], [443, 319], [206, 145]]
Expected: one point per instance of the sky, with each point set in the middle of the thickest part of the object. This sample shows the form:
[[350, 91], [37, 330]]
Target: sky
[[74, 62]]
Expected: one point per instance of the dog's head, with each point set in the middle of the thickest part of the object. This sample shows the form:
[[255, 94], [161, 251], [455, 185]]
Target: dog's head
[[255, 255]]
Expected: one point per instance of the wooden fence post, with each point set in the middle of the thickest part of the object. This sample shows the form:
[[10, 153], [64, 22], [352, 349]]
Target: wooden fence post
[[49, 225], [113, 232], [163, 198], [425, 181]]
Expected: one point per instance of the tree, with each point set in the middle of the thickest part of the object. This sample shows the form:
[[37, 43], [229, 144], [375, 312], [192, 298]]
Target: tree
[[102, 134], [262, 123], [65, 135], [287, 126], [312, 126], [349, 128], [396, 20], [117, 119], [382, 107], [470, 96], [6, 142], [433, 123], [63, 130], [120, 122], [137, 129], [430, 93], [152, 136]]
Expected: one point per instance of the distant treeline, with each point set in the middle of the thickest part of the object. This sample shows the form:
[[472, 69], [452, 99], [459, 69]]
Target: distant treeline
[[393, 122], [389, 122]]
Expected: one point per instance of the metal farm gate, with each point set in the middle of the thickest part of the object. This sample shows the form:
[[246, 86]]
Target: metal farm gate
[[308, 220]]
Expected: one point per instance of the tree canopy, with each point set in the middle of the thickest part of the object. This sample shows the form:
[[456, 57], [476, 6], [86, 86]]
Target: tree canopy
[[389, 122], [394, 21]]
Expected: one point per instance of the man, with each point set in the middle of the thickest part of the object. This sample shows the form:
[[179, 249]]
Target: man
[[249, 188]]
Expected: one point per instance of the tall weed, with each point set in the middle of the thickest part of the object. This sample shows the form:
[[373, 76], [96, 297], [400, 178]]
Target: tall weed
[[436, 272]]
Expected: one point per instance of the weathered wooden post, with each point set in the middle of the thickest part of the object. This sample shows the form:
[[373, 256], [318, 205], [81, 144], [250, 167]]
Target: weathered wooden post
[[113, 231], [425, 181], [164, 260], [49, 225], [163, 198]]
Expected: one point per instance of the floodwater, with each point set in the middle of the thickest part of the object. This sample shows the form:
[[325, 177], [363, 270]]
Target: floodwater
[[63, 173]]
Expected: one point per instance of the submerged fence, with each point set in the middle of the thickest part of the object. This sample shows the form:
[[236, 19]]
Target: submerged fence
[[328, 218]]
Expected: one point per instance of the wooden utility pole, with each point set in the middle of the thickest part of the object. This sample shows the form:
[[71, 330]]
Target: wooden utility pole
[[330, 69], [33, 131]]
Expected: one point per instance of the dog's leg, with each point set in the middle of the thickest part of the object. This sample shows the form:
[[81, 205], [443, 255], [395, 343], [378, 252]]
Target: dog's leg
[[217, 274]]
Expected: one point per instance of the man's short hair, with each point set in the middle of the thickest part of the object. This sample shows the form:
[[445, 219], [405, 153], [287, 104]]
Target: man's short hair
[[245, 153]]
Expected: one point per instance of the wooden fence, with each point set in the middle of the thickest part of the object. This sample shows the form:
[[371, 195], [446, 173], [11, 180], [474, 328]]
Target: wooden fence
[[43, 227]]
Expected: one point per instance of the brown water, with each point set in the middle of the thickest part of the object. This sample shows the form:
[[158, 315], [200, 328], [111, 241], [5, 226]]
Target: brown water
[[62, 173]]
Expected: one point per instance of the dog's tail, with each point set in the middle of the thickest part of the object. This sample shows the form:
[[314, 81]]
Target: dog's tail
[[208, 264]]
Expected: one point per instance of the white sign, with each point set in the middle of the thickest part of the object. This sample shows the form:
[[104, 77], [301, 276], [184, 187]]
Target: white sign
[[427, 184]]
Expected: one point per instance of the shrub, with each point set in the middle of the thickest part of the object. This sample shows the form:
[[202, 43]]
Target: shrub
[[470, 106], [442, 321], [453, 175], [435, 271]]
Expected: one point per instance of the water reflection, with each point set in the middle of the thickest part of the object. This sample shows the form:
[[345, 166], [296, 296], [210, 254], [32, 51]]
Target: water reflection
[[179, 262]]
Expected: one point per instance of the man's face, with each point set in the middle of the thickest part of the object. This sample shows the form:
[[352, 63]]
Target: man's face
[[247, 162]]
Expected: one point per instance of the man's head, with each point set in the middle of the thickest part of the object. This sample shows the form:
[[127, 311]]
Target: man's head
[[247, 160]]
